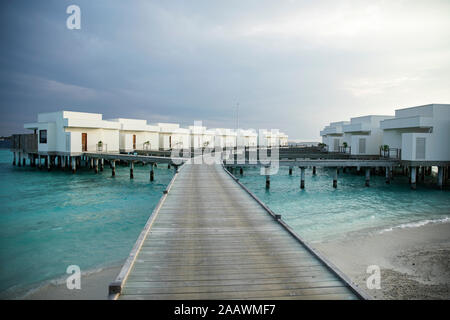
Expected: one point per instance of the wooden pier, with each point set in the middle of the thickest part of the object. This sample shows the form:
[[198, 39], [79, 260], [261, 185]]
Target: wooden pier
[[211, 238]]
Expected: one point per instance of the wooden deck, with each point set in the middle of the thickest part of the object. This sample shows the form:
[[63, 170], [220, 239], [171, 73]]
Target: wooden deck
[[209, 239]]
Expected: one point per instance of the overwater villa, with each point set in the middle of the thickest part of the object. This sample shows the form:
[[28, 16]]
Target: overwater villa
[[137, 135], [66, 132], [333, 135], [422, 133], [363, 135]]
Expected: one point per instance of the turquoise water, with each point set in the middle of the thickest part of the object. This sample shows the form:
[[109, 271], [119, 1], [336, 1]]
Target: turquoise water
[[49, 221], [320, 212]]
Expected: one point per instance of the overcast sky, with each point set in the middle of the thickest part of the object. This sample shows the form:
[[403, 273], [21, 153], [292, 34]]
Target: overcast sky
[[292, 65]]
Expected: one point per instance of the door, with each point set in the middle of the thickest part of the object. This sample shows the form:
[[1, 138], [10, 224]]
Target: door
[[134, 142], [336, 145], [84, 142], [362, 145]]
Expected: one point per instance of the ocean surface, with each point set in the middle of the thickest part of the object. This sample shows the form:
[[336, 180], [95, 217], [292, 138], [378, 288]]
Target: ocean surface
[[49, 221], [320, 213]]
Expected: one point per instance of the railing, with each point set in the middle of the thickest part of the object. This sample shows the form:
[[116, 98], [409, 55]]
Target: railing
[[390, 153], [343, 149], [27, 143], [146, 146], [101, 147]]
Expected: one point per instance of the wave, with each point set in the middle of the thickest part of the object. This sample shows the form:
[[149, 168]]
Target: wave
[[416, 224]]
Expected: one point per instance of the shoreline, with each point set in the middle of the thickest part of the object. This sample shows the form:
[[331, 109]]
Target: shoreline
[[414, 262], [94, 286]]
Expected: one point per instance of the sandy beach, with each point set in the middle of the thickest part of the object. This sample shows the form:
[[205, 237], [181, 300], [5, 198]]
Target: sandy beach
[[414, 262]]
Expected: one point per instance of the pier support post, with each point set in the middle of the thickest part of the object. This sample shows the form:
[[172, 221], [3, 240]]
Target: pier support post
[[422, 174], [267, 178], [96, 165], [49, 163], [413, 178], [74, 164], [39, 161], [131, 169], [63, 162], [14, 160], [335, 176], [440, 177], [388, 175], [290, 171], [152, 173], [91, 163], [24, 160], [241, 171], [102, 164], [314, 171], [367, 177], [168, 166], [302, 177], [113, 168]]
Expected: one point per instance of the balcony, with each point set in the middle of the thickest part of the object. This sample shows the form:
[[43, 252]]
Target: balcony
[[357, 127], [407, 123], [331, 131]]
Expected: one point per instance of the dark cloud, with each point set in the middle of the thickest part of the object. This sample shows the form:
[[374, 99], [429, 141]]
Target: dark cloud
[[293, 65]]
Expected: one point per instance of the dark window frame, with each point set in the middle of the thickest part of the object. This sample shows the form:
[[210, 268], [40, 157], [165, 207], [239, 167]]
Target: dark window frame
[[43, 136]]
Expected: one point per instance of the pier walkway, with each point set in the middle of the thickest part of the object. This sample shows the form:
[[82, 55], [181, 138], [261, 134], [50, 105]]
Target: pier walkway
[[209, 238]]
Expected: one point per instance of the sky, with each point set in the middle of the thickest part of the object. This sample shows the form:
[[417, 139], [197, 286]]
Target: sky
[[291, 65]]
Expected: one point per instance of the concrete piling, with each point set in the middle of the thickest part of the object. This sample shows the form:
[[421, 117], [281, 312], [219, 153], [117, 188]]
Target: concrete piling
[[440, 181], [367, 184], [96, 165], [152, 173], [49, 163], [74, 164], [241, 171], [113, 168], [413, 178], [290, 171], [102, 164], [131, 169], [267, 178], [314, 171], [335, 176], [388, 175], [302, 177]]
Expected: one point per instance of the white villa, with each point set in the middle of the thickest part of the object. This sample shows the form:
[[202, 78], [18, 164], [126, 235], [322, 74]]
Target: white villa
[[333, 135], [75, 132], [363, 135], [422, 133], [137, 135], [201, 137], [225, 138], [171, 136], [247, 138]]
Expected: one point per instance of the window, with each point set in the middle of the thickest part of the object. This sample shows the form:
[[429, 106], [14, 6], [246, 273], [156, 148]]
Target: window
[[420, 148], [42, 136]]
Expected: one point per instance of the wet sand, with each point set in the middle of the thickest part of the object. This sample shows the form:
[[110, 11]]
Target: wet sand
[[414, 262], [94, 286]]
